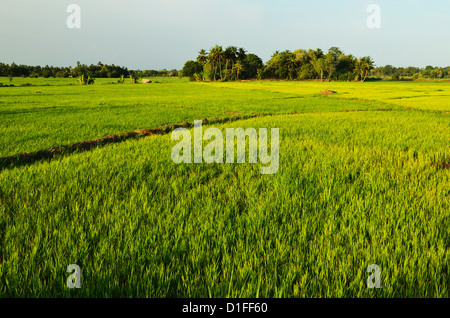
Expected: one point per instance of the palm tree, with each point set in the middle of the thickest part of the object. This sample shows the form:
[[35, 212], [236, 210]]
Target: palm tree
[[275, 54], [213, 59], [359, 69], [220, 58], [202, 57], [368, 65], [241, 54], [230, 56], [216, 56], [363, 66], [239, 68], [234, 55]]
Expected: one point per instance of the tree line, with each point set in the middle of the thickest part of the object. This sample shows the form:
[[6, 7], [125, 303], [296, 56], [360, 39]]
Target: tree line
[[99, 70], [231, 63], [315, 64], [395, 73]]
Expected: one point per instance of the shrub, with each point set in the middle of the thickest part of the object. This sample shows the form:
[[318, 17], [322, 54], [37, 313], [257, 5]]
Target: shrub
[[134, 78], [86, 80]]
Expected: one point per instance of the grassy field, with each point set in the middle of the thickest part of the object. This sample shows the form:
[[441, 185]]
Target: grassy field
[[364, 179], [35, 118]]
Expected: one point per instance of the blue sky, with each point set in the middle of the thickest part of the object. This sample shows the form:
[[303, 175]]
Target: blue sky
[[156, 34]]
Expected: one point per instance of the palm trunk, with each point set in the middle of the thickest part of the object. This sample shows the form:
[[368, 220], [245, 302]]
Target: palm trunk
[[232, 67], [365, 76], [226, 70]]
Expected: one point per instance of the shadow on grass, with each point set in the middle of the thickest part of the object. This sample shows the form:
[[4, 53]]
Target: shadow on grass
[[32, 157]]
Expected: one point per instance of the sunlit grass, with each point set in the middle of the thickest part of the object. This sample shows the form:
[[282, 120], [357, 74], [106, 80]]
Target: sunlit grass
[[353, 189], [35, 118], [419, 95]]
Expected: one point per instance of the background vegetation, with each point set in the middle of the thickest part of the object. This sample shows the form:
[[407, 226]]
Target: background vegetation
[[233, 63]]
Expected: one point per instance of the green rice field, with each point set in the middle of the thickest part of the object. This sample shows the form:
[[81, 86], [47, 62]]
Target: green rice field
[[364, 178]]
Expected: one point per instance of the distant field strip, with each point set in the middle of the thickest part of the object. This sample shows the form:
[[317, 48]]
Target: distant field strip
[[430, 95], [31, 157], [63, 115]]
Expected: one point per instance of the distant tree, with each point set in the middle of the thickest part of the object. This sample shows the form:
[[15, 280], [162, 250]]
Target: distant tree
[[233, 55], [317, 60], [251, 64], [216, 56], [345, 69], [291, 64], [208, 71], [229, 56], [86, 79], [173, 73], [190, 68], [363, 66], [388, 70], [320, 66], [239, 68], [241, 53], [332, 60], [202, 57], [46, 73], [281, 65], [134, 77], [305, 69], [315, 54]]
